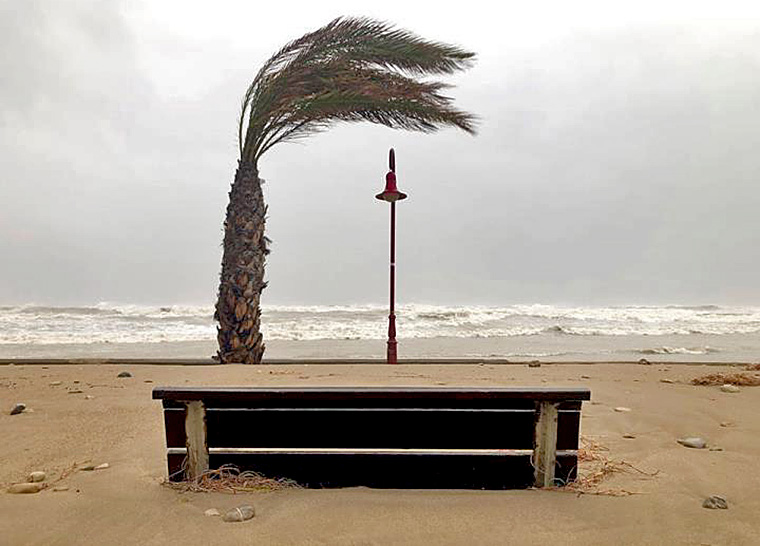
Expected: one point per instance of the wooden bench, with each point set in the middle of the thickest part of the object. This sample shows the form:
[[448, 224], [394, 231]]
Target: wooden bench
[[468, 438]]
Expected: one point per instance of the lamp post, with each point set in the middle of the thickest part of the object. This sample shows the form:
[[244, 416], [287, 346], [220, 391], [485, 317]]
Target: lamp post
[[391, 195]]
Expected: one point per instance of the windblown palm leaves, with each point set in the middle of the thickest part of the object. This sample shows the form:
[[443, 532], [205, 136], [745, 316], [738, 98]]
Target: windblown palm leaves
[[352, 69]]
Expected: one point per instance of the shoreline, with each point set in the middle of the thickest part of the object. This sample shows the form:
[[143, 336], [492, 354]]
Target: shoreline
[[352, 362]]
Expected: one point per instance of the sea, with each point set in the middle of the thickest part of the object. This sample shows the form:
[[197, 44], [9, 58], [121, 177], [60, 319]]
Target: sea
[[534, 331]]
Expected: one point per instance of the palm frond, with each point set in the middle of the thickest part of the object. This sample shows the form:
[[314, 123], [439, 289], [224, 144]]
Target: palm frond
[[352, 69]]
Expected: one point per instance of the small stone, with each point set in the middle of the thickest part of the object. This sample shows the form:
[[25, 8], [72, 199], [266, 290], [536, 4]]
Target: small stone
[[18, 408], [694, 443], [585, 377], [88, 397], [666, 380], [55, 383], [124, 374], [644, 362], [621, 409], [716, 448], [728, 387], [715, 502], [76, 381], [629, 436], [726, 424], [241, 513], [102, 466], [22, 488], [75, 391], [59, 488], [212, 512], [147, 381], [38, 476], [534, 364]]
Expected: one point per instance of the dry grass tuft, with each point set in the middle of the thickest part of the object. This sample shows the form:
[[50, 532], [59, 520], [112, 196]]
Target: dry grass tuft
[[595, 467], [229, 479], [739, 379]]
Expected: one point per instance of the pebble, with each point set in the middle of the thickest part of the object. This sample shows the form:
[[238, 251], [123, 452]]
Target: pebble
[[55, 383], [18, 408], [241, 513], [715, 502], [534, 364], [621, 409], [59, 488], [102, 466], [695, 443], [716, 448], [20, 488], [124, 374], [585, 377], [629, 436], [75, 391], [88, 397], [38, 476], [148, 381], [212, 512], [666, 380], [644, 362], [726, 424], [728, 387]]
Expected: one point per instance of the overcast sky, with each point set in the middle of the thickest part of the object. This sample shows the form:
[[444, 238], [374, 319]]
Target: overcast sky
[[616, 162]]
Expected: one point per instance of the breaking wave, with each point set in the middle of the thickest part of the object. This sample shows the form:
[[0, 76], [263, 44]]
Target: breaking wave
[[127, 323]]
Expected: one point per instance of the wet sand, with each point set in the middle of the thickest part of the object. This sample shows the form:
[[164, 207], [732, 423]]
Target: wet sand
[[126, 503]]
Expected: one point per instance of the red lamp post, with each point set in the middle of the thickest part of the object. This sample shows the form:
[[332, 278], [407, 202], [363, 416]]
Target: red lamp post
[[391, 195]]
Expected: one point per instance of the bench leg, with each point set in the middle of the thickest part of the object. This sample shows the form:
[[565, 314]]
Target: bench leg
[[545, 450], [195, 431]]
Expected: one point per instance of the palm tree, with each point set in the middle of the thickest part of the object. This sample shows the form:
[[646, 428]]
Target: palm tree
[[352, 69]]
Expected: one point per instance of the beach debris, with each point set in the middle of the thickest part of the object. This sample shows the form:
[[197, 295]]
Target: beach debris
[[666, 380], [88, 397], [88, 468], [629, 436], [55, 383], [644, 362], [18, 408], [694, 443], [75, 391], [37, 476], [726, 424], [534, 364], [622, 409], [26, 488], [716, 448], [715, 502], [728, 387], [102, 466], [212, 512], [241, 513], [739, 379], [147, 381], [124, 374], [59, 488], [585, 377]]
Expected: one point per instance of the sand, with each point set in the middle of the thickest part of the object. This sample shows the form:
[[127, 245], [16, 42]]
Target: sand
[[126, 503]]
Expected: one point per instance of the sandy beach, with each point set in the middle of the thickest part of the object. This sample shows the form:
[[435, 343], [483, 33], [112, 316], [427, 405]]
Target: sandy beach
[[84, 414]]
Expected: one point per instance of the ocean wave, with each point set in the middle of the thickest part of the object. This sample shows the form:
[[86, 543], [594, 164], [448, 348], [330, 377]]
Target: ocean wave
[[107, 322], [679, 351]]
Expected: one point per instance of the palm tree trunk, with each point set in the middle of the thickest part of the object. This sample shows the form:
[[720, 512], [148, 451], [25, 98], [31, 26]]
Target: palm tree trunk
[[242, 279]]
